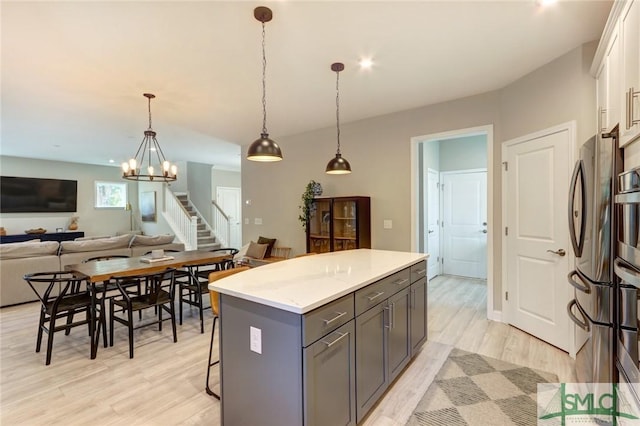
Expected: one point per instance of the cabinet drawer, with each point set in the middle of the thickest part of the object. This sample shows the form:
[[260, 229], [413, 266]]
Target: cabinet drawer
[[375, 293], [419, 270], [325, 319]]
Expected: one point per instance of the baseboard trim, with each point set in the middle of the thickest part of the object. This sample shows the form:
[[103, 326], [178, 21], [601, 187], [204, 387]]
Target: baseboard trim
[[495, 316]]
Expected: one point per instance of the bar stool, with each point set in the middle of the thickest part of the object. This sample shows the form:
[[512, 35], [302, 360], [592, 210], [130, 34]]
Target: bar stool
[[215, 307]]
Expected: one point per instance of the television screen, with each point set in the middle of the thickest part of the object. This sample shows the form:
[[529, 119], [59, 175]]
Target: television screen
[[34, 195]]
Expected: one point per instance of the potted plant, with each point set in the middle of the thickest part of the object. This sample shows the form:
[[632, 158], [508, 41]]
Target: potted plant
[[313, 189]]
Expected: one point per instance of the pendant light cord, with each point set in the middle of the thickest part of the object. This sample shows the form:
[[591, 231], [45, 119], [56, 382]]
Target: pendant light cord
[[338, 109], [264, 83]]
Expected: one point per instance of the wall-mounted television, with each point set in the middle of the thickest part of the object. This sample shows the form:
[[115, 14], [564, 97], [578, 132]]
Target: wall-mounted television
[[34, 195]]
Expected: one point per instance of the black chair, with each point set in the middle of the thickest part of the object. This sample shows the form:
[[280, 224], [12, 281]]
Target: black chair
[[192, 287], [215, 308], [155, 296], [62, 296], [107, 288]]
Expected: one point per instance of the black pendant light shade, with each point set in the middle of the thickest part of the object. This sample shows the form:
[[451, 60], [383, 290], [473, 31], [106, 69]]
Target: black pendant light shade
[[264, 149], [338, 165]]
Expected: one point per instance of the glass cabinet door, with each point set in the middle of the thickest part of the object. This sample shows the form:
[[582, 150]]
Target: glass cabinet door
[[320, 227], [344, 225]]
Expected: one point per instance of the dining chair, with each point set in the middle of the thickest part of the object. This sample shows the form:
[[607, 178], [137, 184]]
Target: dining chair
[[62, 295], [191, 288], [106, 288], [156, 295], [215, 308]]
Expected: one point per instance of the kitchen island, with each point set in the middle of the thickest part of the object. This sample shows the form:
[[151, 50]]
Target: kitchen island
[[317, 340]]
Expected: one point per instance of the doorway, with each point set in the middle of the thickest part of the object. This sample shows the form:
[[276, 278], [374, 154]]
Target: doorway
[[426, 153], [228, 199], [464, 223]]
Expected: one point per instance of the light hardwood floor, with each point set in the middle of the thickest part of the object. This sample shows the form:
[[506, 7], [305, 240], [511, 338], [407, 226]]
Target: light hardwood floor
[[164, 383]]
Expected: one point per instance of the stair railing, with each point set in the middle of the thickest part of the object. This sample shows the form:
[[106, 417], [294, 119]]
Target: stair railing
[[180, 220], [223, 241], [222, 224]]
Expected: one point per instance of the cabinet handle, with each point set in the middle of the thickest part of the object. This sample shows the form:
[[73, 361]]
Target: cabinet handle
[[421, 271], [388, 309], [401, 281], [393, 315], [413, 298], [603, 112], [342, 336], [631, 95], [340, 314], [375, 296]]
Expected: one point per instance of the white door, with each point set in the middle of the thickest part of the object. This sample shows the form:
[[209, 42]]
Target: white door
[[229, 201], [536, 184], [433, 223], [464, 223]]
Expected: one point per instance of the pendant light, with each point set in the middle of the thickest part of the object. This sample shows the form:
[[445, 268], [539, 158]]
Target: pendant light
[[338, 165], [264, 149], [132, 170]]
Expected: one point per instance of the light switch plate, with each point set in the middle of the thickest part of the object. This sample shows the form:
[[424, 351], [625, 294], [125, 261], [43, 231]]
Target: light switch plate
[[257, 221], [246, 220], [255, 337], [388, 224]]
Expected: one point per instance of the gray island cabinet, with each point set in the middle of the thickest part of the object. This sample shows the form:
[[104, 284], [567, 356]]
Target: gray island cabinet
[[317, 340]]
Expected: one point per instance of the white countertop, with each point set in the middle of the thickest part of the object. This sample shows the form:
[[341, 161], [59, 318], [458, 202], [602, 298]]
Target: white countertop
[[302, 284]]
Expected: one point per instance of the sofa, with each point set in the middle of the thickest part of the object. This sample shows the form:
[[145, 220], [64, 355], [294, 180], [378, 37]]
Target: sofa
[[18, 259]]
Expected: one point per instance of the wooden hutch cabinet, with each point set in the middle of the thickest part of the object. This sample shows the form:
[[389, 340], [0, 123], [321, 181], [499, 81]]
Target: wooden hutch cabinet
[[339, 223]]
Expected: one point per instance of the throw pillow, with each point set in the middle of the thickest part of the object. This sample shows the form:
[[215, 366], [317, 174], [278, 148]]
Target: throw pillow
[[256, 251], [270, 242]]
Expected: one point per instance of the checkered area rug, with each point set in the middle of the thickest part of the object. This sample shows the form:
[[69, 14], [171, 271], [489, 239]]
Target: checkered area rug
[[476, 390]]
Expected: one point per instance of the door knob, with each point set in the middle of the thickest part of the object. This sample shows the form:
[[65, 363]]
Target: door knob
[[484, 223], [559, 252], [431, 231], [484, 231]]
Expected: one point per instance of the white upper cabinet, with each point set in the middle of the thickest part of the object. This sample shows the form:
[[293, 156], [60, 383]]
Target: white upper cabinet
[[630, 72], [608, 85]]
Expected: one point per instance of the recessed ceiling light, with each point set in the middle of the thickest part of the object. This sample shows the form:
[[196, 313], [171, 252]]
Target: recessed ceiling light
[[366, 63], [112, 161]]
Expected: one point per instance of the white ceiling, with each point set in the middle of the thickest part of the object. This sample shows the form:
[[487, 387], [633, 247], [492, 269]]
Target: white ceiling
[[73, 73]]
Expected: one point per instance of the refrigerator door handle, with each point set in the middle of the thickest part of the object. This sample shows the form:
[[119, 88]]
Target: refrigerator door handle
[[629, 275], [582, 324], [578, 244], [581, 285]]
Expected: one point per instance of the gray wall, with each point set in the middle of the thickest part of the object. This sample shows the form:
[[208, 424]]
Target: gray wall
[[225, 178], [463, 153], [379, 152], [199, 184], [92, 221]]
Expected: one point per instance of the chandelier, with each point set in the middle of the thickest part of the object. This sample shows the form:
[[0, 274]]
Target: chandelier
[[150, 154]]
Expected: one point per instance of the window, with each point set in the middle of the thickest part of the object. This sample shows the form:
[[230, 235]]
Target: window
[[111, 195]]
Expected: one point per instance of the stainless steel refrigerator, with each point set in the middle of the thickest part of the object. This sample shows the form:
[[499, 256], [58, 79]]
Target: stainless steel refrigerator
[[592, 225]]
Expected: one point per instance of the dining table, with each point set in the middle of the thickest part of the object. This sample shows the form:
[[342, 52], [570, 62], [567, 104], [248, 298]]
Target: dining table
[[96, 272], [104, 270]]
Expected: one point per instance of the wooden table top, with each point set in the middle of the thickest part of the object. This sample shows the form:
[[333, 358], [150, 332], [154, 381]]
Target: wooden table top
[[122, 267]]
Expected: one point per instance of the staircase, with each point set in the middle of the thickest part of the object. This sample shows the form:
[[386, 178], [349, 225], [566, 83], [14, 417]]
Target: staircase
[[206, 238]]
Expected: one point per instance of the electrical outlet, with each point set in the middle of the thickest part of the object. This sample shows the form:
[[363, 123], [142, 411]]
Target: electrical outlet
[[255, 343], [388, 224], [246, 220]]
